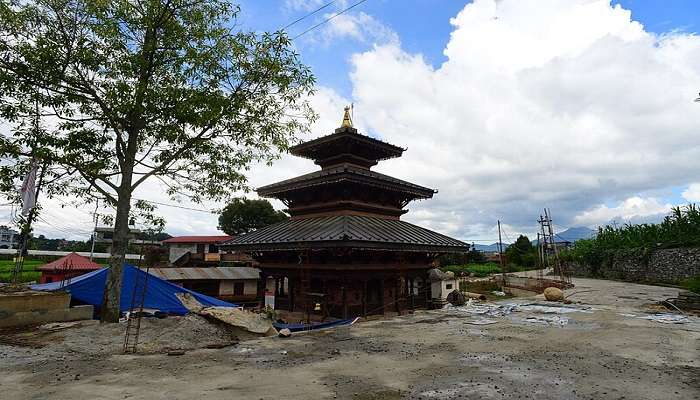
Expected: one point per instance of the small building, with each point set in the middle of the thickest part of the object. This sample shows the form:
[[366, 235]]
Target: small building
[[8, 237], [234, 284], [203, 251], [66, 268]]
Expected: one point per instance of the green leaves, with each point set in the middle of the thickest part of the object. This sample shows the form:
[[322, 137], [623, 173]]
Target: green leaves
[[136, 90], [679, 229], [244, 215]]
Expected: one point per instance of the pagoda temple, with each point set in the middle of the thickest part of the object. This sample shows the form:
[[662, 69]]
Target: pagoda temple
[[345, 250]]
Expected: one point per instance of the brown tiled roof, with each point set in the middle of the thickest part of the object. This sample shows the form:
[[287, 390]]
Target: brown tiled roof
[[345, 231], [346, 172]]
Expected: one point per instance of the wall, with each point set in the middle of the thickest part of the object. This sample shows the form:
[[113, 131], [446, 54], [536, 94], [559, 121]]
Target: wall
[[178, 250], [439, 290], [663, 266], [250, 287]]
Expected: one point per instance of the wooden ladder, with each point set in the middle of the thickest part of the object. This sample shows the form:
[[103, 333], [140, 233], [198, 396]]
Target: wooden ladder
[[133, 322]]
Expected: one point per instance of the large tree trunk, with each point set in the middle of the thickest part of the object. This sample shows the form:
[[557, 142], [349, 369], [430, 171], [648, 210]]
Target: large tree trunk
[[120, 243]]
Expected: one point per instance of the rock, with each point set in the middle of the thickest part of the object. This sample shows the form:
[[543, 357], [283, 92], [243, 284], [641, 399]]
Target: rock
[[553, 294], [456, 298], [285, 333]]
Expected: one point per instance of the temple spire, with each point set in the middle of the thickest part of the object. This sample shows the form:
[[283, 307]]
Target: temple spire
[[347, 121]]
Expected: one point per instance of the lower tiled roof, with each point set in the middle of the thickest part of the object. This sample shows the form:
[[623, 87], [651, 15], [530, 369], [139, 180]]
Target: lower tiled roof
[[345, 231]]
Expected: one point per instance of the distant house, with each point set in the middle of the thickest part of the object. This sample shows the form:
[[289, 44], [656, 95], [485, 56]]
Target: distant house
[[8, 237], [234, 284], [66, 267], [203, 251], [197, 263]]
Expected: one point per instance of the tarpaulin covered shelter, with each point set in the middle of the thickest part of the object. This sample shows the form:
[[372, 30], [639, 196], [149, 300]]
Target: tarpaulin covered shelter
[[160, 294]]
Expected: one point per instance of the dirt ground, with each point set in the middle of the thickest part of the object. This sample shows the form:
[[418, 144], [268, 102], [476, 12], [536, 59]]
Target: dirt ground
[[600, 349]]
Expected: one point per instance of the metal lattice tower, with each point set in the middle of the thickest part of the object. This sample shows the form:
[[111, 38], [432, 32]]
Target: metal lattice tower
[[548, 250]]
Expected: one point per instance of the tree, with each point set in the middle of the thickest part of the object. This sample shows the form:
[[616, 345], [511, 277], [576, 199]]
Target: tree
[[522, 252], [137, 91], [244, 215]]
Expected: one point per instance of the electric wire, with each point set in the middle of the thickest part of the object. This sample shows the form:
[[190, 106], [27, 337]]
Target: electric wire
[[329, 18], [308, 15]]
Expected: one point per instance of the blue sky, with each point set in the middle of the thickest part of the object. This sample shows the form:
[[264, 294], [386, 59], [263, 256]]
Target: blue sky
[[575, 105], [423, 27]]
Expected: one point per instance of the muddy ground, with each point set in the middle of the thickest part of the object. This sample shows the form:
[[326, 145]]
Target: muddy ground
[[600, 350]]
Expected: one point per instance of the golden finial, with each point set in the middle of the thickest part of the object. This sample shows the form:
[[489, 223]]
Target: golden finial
[[347, 121]]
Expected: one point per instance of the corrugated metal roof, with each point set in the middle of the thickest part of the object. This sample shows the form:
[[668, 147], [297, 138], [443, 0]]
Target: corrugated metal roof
[[210, 273], [345, 231], [73, 262], [346, 172], [198, 239]]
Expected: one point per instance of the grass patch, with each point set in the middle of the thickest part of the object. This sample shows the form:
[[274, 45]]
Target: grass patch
[[28, 274], [692, 284], [479, 270]]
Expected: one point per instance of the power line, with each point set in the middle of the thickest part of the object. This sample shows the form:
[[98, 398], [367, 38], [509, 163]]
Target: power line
[[176, 206], [309, 14], [329, 18]]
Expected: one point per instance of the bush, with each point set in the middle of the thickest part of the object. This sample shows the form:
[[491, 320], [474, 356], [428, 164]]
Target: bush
[[479, 270], [692, 284], [680, 229]]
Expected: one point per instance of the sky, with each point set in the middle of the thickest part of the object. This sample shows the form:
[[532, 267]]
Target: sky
[[505, 106]]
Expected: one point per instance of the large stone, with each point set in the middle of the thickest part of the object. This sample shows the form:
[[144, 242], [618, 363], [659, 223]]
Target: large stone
[[456, 298], [553, 294]]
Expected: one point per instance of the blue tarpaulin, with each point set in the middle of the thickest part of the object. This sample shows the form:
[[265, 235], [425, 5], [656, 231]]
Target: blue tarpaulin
[[160, 294]]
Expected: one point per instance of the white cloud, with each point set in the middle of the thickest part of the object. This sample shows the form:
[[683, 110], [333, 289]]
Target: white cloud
[[692, 193], [564, 104], [360, 26], [635, 209]]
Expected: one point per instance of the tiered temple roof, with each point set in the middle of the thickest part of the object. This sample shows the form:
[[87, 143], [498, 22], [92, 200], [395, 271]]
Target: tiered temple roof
[[345, 204]]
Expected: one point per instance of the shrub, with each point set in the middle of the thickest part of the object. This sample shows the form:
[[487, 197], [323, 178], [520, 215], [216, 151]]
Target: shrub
[[692, 284]]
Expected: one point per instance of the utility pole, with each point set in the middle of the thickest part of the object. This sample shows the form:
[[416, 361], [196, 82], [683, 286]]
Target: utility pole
[[547, 242], [500, 255], [94, 230]]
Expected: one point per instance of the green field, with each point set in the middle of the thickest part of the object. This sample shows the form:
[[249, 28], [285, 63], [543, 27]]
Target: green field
[[479, 270], [28, 272]]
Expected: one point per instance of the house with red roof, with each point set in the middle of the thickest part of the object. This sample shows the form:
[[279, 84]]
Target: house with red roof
[[66, 268]]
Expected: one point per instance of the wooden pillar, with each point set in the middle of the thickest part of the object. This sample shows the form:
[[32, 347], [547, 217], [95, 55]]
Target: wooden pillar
[[364, 298], [290, 287], [411, 285], [397, 306], [345, 301], [381, 291], [262, 288]]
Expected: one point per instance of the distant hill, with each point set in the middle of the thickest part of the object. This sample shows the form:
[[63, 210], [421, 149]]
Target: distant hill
[[490, 248], [576, 233], [569, 235], [572, 234]]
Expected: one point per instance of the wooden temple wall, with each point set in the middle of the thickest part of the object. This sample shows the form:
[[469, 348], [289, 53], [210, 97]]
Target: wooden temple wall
[[351, 295]]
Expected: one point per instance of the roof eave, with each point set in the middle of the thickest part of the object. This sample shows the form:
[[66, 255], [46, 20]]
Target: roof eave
[[355, 244]]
